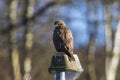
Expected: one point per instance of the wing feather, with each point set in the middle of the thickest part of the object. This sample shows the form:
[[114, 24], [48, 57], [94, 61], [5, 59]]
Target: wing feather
[[68, 41]]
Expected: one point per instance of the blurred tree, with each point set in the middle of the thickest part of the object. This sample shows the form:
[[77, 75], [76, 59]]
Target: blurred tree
[[92, 30], [108, 34], [13, 49], [109, 59], [28, 39], [113, 64]]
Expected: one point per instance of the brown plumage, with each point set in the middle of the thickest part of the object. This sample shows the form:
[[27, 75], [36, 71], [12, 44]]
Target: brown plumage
[[63, 39]]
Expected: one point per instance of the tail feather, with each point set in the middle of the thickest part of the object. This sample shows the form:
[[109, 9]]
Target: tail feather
[[71, 57]]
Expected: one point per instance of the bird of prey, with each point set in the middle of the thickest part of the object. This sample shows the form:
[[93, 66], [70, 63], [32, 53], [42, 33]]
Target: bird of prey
[[63, 39]]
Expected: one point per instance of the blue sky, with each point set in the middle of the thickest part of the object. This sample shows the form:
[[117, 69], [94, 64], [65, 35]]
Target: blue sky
[[75, 16], [79, 25]]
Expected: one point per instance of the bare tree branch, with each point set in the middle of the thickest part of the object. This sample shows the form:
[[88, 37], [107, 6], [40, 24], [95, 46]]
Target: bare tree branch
[[43, 9]]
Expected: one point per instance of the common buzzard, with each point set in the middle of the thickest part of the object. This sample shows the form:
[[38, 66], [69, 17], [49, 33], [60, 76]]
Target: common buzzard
[[63, 39]]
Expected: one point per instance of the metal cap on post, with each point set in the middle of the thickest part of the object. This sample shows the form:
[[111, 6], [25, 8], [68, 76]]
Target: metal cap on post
[[63, 69]]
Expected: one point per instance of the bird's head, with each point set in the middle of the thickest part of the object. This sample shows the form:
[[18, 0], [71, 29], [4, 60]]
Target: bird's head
[[59, 23]]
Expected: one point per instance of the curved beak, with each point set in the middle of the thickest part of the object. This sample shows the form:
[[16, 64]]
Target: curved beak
[[56, 25]]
